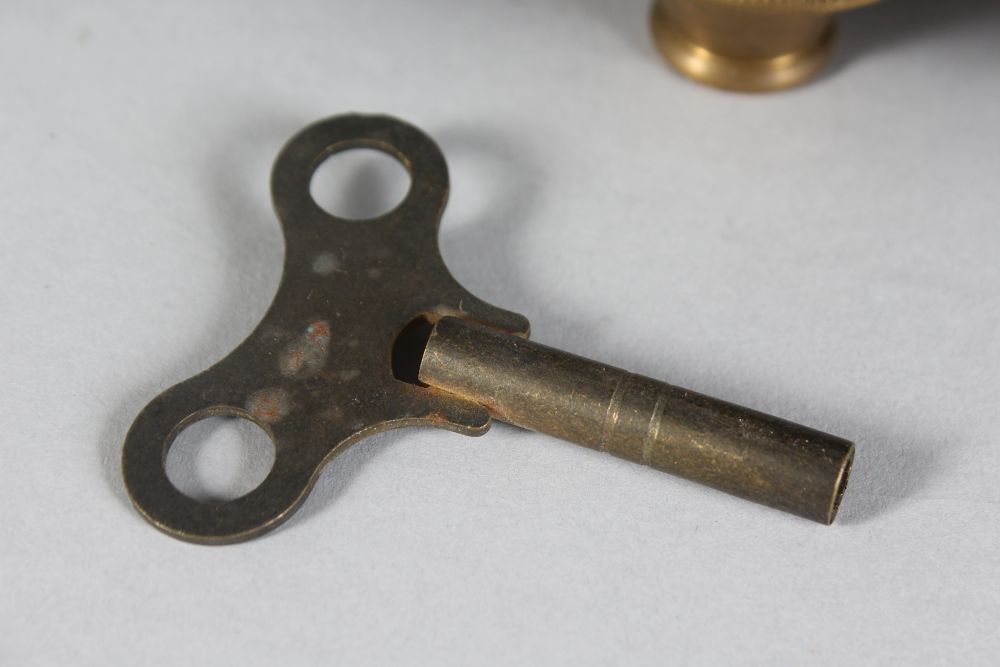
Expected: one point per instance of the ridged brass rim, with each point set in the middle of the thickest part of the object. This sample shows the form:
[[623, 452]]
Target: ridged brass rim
[[742, 75], [748, 45], [795, 5]]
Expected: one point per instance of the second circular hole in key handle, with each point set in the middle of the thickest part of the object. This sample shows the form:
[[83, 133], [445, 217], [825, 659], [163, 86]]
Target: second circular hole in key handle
[[219, 458]]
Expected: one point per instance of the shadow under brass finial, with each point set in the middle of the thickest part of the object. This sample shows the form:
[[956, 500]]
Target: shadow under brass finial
[[748, 45]]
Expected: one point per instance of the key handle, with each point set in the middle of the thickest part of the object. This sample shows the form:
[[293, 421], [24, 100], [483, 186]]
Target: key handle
[[316, 373]]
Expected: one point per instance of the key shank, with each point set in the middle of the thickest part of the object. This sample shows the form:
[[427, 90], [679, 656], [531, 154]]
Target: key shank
[[734, 449]]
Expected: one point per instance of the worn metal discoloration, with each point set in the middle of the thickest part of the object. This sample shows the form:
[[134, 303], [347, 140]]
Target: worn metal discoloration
[[346, 375], [269, 405], [326, 263], [306, 354]]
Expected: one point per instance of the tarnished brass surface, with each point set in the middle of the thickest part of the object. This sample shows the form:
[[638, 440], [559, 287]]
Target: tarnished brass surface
[[748, 45], [316, 373], [369, 331], [743, 452]]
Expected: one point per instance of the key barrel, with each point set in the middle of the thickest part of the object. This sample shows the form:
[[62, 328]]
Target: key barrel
[[734, 449]]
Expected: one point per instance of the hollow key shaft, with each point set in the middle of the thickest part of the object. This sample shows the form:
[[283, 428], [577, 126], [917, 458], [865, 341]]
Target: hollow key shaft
[[734, 449]]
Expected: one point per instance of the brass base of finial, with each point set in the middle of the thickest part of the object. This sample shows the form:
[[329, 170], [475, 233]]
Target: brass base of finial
[[742, 46]]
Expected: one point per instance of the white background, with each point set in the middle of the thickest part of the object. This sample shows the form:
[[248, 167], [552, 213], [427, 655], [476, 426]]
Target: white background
[[830, 255]]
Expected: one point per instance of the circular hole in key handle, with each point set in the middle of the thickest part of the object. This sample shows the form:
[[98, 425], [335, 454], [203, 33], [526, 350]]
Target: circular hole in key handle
[[218, 459], [359, 183]]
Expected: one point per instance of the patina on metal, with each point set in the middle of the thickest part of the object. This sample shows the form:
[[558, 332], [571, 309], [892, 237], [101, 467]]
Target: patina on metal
[[369, 331], [748, 45]]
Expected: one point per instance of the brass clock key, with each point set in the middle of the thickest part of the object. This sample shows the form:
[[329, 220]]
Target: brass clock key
[[369, 331]]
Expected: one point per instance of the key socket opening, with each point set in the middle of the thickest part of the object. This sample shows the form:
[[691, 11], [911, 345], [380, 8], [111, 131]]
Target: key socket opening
[[408, 350]]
